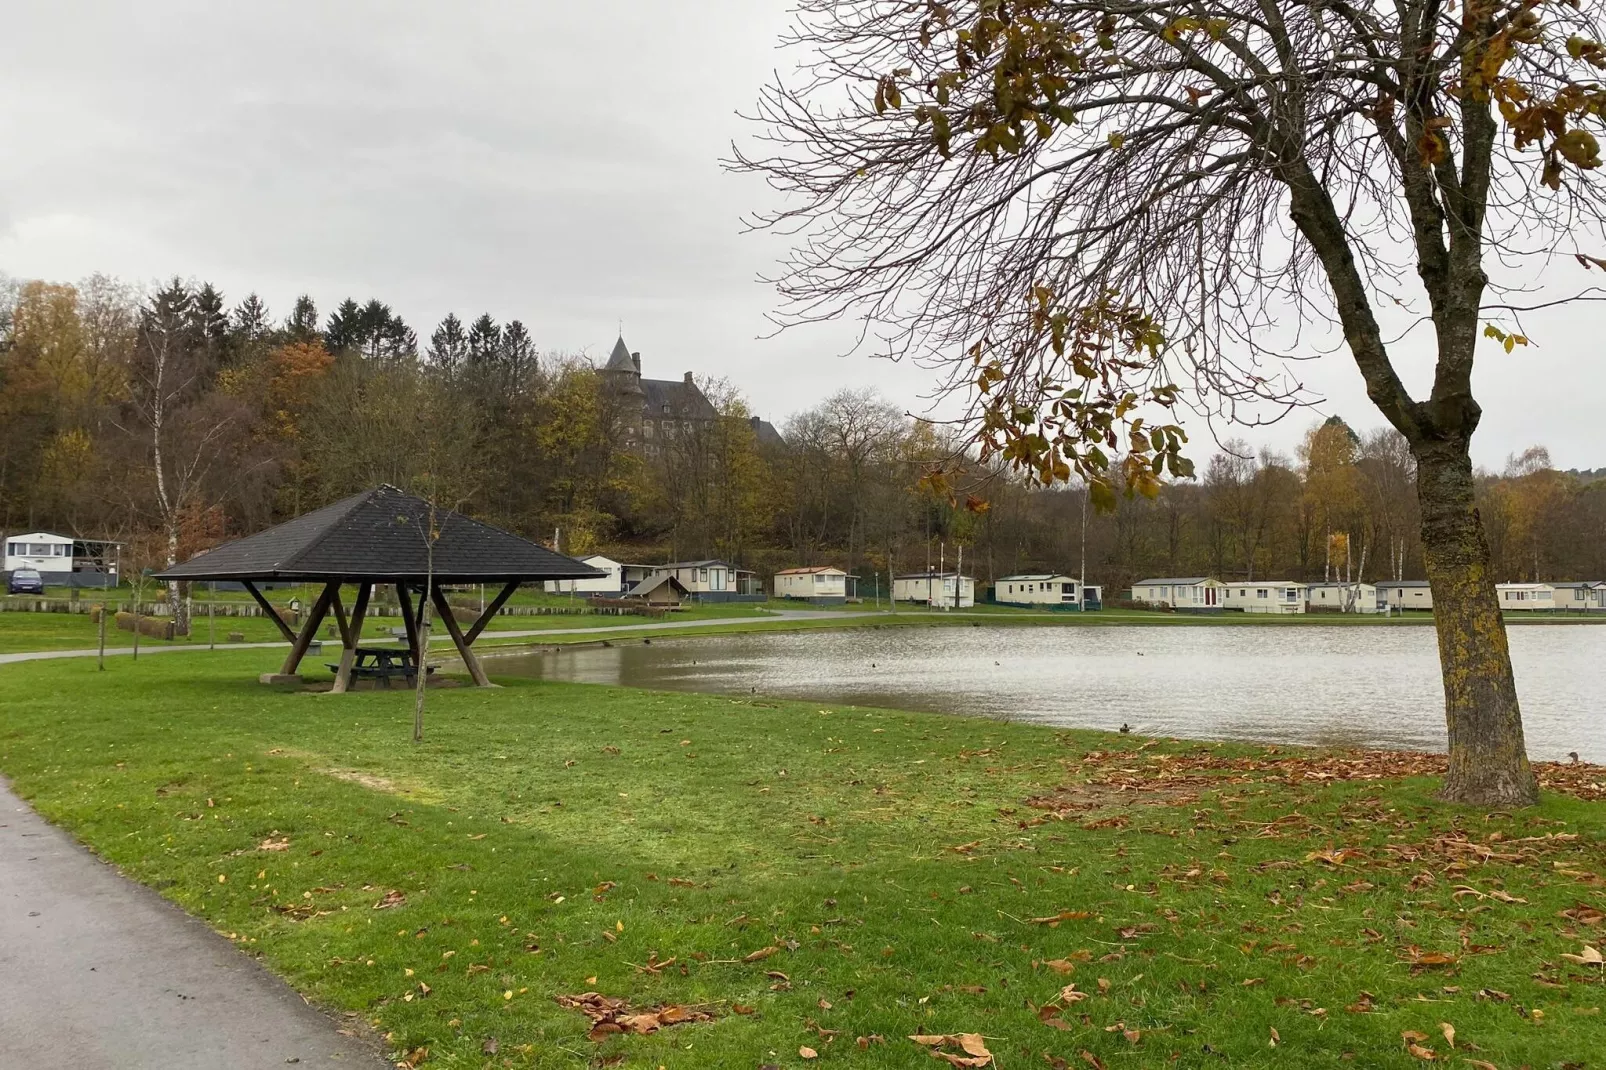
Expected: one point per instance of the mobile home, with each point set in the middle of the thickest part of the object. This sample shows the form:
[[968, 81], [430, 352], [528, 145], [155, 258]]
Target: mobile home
[[1525, 597], [1397, 595], [713, 580], [610, 585], [822, 583], [944, 589], [1583, 597], [41, 551], [1342, 597], [1043, 589], [1188, 592], [1266, 596]]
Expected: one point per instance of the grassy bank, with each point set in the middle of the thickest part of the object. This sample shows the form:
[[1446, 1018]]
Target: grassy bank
[[813, 875]]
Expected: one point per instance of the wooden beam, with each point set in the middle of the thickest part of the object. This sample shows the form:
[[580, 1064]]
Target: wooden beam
[[409, 620], [273, 614], [340, 619], [490, 611], [348, 652], [309, 630], [450, 623]]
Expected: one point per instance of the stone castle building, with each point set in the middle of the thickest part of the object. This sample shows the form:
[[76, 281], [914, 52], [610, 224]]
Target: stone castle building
[[657, 411]]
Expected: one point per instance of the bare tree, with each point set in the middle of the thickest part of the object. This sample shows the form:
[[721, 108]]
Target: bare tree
[[1076, 206]]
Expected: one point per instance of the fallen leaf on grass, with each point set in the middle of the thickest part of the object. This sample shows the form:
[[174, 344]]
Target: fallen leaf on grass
[[1417, 957], [972, 1049], [1411, 1038], [612, 1016], [393, 898], [271, 844], [1449, 1033], [1092, 1060], [761, 954], [1479, 1064], [807, 1053], [1053, 920], [1590, 957]]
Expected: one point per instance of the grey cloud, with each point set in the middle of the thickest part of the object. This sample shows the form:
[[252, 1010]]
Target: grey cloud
[[551, 161]]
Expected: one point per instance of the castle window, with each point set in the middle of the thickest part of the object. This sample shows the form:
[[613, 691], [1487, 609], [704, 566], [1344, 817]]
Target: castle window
[[687, 427], [666, 410], [646, 429]]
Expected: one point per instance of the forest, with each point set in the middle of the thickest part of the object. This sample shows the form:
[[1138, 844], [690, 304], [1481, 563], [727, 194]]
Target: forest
[[169, 419]]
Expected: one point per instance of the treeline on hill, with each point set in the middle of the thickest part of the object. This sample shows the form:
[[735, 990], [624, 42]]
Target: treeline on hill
[[170, 421]]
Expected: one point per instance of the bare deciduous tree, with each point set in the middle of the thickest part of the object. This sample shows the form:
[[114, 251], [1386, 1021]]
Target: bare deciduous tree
[[1075, 206]]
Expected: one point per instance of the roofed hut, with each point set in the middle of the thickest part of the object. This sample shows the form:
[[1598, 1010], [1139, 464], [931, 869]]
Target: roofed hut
[[381, 536]]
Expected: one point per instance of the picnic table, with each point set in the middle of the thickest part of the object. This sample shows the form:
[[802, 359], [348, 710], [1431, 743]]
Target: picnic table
[[382, 663]]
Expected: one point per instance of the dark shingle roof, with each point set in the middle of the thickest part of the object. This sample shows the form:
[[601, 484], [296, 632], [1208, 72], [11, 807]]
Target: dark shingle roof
[[620, 360], [378, 535], [766, 433], [685, 401]]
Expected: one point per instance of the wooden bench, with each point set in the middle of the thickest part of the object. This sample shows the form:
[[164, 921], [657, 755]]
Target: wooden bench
[[382, 664]]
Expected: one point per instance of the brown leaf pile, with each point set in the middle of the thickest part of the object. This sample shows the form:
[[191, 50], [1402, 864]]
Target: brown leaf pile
[[1132, 771], [614, 1016]]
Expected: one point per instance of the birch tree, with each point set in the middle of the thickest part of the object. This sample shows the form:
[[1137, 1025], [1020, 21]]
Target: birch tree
[[179, 424]]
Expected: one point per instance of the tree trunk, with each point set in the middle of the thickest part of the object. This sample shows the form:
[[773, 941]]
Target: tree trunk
[[1488, 759]]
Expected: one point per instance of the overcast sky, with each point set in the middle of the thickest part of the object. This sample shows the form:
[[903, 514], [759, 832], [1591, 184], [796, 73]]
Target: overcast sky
[[552, 162]]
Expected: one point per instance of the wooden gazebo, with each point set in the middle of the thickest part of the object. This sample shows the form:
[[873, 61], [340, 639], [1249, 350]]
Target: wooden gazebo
[[381, 536]]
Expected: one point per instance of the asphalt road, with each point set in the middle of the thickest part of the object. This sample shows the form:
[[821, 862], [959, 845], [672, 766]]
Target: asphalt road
[[100, 973]]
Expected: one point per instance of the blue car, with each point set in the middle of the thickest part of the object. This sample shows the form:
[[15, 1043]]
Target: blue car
[[25, 581]]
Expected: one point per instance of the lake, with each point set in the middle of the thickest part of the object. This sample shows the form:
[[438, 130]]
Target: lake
[[1336, 685]]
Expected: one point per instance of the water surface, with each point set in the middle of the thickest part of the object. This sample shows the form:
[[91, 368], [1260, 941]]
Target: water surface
[[1348, 685]]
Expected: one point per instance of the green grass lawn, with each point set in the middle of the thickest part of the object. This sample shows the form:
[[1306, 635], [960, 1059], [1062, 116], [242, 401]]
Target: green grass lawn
[[812, 875]]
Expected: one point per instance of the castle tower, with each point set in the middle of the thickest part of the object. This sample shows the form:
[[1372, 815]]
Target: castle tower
[[622, 373]]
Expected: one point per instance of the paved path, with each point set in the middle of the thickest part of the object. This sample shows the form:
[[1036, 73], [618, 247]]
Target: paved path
[[99, 973]]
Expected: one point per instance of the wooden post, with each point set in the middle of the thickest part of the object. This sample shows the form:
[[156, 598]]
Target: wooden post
[[450, 622], [340, 617], [348, 652], [273, 614], [409, 621], [309, 630], [486, 613]]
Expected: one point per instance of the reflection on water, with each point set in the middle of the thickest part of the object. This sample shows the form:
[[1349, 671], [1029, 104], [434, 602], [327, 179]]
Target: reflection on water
[[1363, 686]]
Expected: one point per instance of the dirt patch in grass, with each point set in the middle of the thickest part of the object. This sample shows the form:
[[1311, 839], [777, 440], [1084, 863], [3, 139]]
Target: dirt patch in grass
[[367, 780], [371, 781]]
